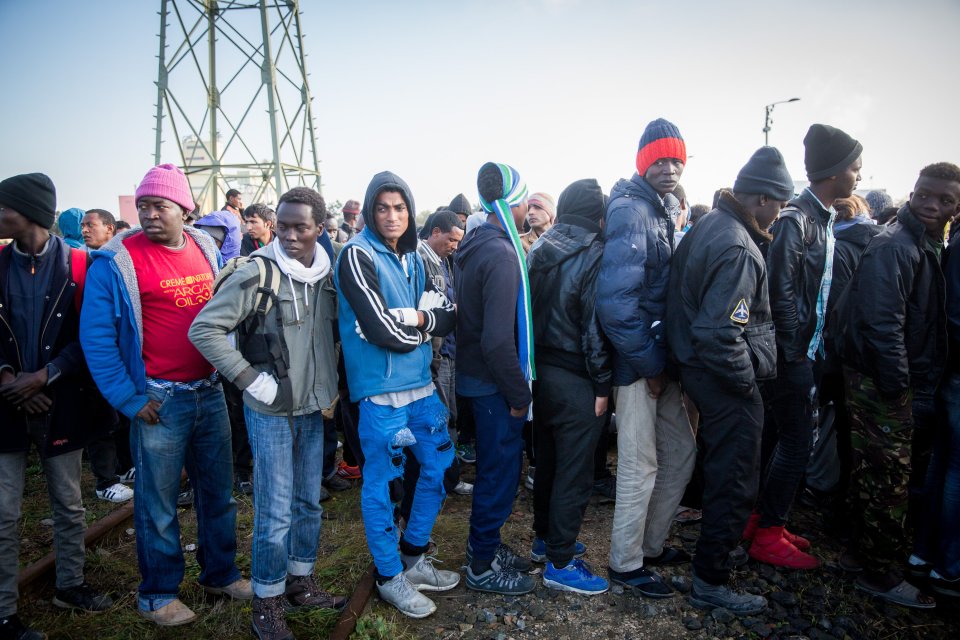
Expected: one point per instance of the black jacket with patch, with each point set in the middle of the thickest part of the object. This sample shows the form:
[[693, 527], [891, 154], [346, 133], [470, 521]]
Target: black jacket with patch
[[718, 310], [891, 322]]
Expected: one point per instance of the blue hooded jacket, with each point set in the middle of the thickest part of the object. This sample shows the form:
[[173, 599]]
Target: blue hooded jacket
[[234, 236], [69, 223]]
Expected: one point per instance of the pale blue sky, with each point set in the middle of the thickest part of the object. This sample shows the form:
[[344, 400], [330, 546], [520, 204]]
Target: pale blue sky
[[561, 89]]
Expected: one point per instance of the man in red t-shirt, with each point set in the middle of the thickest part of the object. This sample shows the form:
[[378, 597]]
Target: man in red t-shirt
[[143, 290]]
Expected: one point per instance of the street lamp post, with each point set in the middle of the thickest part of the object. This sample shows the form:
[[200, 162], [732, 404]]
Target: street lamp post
[[767, 121]]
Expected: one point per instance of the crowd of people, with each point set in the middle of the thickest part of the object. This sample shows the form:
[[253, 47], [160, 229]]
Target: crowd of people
[[234, 345]]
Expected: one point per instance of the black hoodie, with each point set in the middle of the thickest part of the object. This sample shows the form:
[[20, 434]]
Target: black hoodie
[[563, 266], [487, 283]]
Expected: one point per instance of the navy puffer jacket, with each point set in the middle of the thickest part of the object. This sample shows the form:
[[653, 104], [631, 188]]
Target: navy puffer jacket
[[634, 274]]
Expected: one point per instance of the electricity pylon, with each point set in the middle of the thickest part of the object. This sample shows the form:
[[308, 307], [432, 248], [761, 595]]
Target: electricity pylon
[[232, 90]]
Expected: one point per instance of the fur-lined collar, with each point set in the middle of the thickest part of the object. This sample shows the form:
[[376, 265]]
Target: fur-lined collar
[[729, 202]]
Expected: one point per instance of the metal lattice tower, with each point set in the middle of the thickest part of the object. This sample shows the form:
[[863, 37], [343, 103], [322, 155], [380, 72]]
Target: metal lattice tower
[[243, 61]]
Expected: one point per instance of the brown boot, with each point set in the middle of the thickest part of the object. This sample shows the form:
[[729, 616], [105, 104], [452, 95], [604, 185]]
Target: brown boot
[[269, 619], [302, 591]]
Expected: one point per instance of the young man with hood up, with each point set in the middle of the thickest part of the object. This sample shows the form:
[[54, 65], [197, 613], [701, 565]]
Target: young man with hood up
[[655, 444], [283, 414], [388, 314], [69, 225], [720, 330], [495, 369], [573, 383], [800, 268]]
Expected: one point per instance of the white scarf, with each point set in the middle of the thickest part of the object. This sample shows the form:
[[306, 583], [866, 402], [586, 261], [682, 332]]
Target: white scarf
[[294, 270]]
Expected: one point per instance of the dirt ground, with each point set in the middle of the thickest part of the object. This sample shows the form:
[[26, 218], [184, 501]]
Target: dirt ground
[[816, 605]]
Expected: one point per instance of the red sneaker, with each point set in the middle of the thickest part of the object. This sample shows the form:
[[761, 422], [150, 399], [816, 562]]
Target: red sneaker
[[770, 546], [798, 541], [347, 472]]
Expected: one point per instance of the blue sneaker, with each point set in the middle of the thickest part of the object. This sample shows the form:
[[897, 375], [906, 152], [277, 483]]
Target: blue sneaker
[[538, 552], [575, 577]]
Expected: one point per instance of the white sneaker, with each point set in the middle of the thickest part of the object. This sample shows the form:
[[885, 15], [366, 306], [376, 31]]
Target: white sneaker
[[130, 476], [404, 596], [463, 489], [116, 493], [426, 577]]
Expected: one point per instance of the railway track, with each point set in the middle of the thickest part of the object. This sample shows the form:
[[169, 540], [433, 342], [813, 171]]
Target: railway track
[[37, 576]]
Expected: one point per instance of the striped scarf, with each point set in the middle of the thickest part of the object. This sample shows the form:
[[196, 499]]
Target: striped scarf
[[514, 193]]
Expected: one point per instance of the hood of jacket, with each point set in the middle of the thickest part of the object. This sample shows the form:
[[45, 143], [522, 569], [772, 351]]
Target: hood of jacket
[[730, 203], [561, 242], [233, 237], [69, 223], [383, 181], [858, 235]]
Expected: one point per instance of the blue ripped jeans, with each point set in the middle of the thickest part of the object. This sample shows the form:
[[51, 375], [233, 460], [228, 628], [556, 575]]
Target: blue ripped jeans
[[427, 421]]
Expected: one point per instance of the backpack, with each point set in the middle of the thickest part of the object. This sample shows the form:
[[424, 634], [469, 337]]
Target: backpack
[[256, 345]]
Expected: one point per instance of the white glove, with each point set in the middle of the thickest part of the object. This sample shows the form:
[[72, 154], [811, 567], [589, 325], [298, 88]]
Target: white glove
[[433, 300], [264, 388], [356, 327], [405, 316]]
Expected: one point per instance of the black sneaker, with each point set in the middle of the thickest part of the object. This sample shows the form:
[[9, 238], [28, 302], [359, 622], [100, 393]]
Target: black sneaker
[[505, 581], [505, 558], [243, 484], [336, 483], [12, 629], [82, 597], [670, 556], [185, 498], [711, 596], [644, 581]]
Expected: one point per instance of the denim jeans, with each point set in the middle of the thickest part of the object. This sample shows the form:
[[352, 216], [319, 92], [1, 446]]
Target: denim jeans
[[938, 537], [193, 432], [63, 486], [286, 497], [383, 461], [499, 459]]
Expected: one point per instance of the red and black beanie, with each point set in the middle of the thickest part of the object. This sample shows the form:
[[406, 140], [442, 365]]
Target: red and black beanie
[[661, 139]]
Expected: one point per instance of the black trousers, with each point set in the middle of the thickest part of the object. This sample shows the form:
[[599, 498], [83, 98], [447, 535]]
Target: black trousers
[[793, 402], [242, 456], [730, 431], [566, 431]]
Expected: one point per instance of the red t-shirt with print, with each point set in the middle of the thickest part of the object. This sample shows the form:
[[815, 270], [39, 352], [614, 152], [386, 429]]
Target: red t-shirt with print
[[174, 286]]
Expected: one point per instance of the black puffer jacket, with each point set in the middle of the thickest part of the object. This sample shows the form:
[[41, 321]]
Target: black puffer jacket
[[718, 311], [563, 266], [634, 273], [795, 263], [891, 321]]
